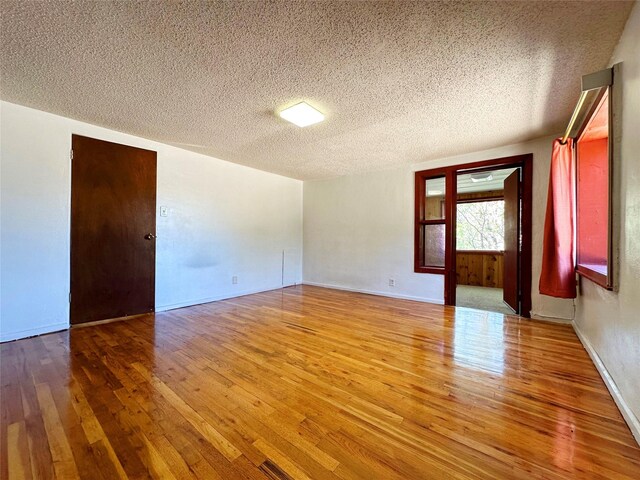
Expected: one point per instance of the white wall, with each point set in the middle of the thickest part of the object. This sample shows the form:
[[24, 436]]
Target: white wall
[[358, 233], [609, 322], [224, 220], [358, 230]]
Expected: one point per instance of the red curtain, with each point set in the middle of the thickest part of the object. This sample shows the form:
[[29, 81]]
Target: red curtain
[[558, 278]]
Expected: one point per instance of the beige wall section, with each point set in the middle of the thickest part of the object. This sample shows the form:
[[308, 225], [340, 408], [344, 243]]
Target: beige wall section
[[358, 230], [358, 234], [609, 321]]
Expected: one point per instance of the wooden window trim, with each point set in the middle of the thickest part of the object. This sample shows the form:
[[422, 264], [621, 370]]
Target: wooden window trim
[[494, 198], [433, 222], [594, 276], [481, 252], [420, 208]]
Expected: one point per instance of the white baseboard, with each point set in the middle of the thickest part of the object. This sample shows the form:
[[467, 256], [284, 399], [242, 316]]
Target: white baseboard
[[32, 332], [374, 292], [226, 296], [56, 327], [627, 413], [546, 318]]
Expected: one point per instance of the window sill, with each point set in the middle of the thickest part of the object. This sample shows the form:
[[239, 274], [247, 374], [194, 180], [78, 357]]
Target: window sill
[[594, 275], [481, 252], [433, 270]]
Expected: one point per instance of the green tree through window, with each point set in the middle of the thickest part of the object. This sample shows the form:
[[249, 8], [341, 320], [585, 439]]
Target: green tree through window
[[480, 226]]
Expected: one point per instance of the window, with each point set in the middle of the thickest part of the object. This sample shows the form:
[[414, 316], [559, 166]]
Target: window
[[480, 226], [593, 196], [432, 228]]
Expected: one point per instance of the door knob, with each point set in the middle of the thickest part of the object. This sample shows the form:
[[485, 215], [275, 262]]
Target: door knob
[[150, 236]]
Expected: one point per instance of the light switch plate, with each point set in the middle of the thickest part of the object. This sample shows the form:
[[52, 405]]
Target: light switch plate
[[164, 211]]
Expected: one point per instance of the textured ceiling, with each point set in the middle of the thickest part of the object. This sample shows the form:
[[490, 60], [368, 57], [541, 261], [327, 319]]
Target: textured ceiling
[[399, 82]]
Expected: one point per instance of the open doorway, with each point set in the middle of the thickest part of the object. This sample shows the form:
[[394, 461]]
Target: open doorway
[[436, 212], [480, 240]]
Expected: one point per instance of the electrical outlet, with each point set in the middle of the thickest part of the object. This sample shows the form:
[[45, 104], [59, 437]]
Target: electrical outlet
[[392, 282], [234, 280]]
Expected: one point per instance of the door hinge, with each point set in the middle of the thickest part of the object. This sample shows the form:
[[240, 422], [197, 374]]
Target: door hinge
[[69, 297], [71, 154]]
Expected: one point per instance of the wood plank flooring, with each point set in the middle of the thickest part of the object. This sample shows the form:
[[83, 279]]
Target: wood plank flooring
[[310, 383]]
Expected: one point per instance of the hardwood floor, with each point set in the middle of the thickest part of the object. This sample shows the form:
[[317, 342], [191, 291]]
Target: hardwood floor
[[310, 383]]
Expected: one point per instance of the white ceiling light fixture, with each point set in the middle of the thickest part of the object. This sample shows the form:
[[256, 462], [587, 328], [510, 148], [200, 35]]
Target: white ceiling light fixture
[[434, 193], [302, 114], [481, 177]]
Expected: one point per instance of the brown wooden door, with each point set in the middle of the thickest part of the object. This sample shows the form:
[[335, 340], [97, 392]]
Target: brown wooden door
[[113, 226], [511, 274]]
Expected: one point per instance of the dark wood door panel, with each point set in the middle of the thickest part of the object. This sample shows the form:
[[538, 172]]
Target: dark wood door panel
[[511, 274], [113, 203]]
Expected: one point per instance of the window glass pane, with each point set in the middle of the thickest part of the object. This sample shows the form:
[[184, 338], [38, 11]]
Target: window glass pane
[[593, 191], [433, 237], [434, 203], [480, 226]]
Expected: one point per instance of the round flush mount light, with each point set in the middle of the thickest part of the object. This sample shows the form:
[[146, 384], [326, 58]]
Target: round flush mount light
[[481, 177], [302, 114]]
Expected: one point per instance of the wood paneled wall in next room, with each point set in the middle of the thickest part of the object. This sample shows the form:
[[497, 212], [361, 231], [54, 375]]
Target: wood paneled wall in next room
[[482, 269]]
